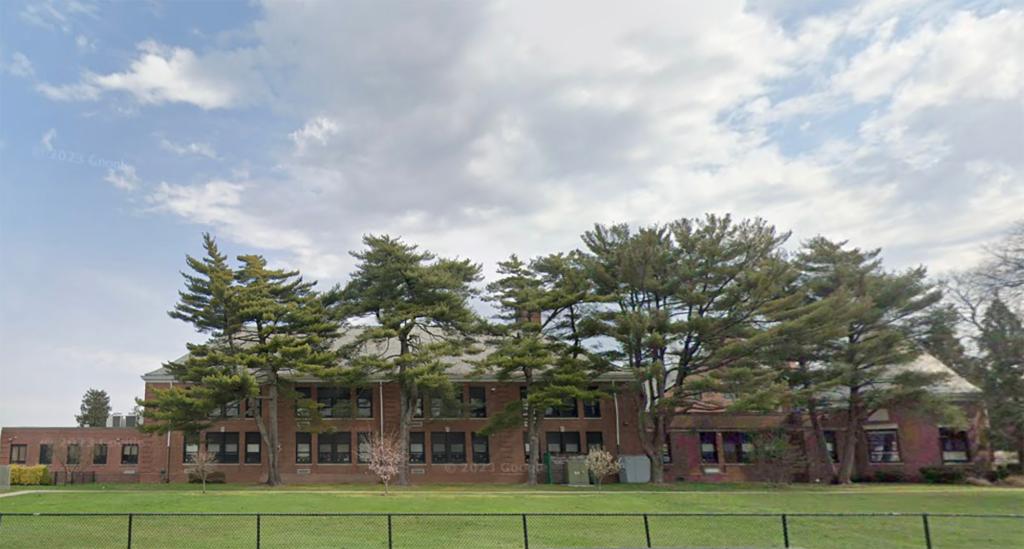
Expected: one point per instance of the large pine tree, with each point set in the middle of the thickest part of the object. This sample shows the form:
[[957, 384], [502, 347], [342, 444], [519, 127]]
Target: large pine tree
[[265, 326], [1001, 343], [418, 305], [95, 409], [686, 303]]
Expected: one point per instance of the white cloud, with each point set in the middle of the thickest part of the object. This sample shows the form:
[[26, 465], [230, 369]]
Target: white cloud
[[47, 139], [123, 177], [70, 92], [85, 44], [19, 65], [184, 149], [57, 14], [316, 131]]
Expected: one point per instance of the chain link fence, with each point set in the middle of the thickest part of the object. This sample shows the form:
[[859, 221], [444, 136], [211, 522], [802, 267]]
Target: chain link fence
[[502, 530]]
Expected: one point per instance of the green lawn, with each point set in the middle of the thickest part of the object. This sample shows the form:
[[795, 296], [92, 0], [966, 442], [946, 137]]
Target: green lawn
[[507, 531]]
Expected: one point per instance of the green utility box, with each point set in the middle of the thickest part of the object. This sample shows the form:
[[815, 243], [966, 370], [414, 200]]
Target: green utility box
[[577, 469]]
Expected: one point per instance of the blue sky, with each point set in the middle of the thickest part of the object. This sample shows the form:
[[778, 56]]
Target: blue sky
[[473, 128]]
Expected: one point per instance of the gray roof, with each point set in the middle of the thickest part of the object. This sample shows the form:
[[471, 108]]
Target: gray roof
[[458, 367]]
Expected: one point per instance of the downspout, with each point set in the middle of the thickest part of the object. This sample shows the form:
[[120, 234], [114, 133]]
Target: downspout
[[380, 393], [167, 475], [615, 400]]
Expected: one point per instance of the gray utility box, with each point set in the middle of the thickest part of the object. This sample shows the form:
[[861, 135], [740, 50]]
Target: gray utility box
[[635, 470], [5, 477], [577, 469]]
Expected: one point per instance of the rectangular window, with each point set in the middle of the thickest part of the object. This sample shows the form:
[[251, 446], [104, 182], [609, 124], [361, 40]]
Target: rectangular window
[[19, 453], [832, 446], [302, 401], [129, 454], [190, 448], [45, 454], [417, 411], [595, 440], [364, 403], [666, 451], [233, 409], [99, 454], [334, 448], [955, 446], [253, 407], [303, 448], [526, 446], [523, 398], [568, 409], [481, 448], [737, 447], [592, 408], [708, 447], [222, 447], [334, 401], [563, 442], [883, 446], [253, 448], [74, 454], [447, 447], [131, 421], [364, 447], [447, 408], [477, 402], [417, 452]]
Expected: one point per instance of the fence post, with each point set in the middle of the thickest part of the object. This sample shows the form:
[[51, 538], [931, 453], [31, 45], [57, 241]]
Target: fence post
[[647, 530], [389, 531], [927, 531], [258, 534], [526, 534], [130, 517], [785, 531]]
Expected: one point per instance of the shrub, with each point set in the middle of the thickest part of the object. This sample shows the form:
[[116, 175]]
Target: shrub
[[601, 464], [976, 481], [943, 474], [1014, 481], [35, 475], [889, 476]]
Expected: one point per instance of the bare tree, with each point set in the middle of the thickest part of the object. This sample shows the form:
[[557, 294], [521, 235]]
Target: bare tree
[[386, 458], [202, 466], [67, 456], [1004, 273], [601, 463]]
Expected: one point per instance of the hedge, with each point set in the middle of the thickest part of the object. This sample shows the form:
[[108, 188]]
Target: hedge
[[943, 474], [34, 475]]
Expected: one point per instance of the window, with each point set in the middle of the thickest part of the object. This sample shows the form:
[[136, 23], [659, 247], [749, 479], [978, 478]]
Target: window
[[302, 400], [481, 448], [129, 454], [883, 446], [737, 447], [364, 403], [568, 409], [563, 442], [417, 452], [522, 397], [45, 454], [334, 401], [334, 448], [708, 447], [190, 448], [229, 410], [592, 408], [417, 411], [303, 448], [447, 447], [832, 446], [666, 451], [955, 446], [19, 453], [222, 447], [253, 407], [99, 454], [477, 402], [526, 446], [253, 448], [441, 407], [131, 421], [364, 447], [74, 454], [595, 440]]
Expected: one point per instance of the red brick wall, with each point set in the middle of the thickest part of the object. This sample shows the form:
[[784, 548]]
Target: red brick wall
[[87, 438]]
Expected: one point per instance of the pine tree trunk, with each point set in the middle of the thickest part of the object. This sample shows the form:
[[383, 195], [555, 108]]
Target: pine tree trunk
[[407, 403], [818, 432], [271, 434], [533, 466], [849, 456], [652, 448]]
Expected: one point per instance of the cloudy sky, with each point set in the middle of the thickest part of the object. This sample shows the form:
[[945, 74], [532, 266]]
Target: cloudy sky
[[473, 128]]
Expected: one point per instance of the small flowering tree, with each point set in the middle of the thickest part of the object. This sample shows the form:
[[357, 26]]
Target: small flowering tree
[[386, 458], [601, 463], [202, 466]]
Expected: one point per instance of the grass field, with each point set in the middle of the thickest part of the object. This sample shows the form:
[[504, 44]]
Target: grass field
[[506, 531]]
